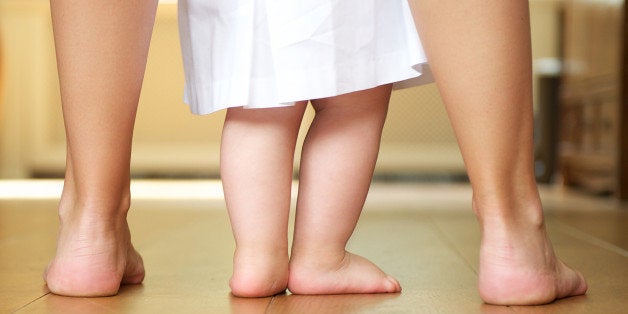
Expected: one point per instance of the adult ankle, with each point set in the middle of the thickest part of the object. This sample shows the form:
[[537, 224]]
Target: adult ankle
[[115, 208], [509, 209]]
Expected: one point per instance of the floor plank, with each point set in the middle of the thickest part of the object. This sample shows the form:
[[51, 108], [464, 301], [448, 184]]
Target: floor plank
[[605, 270], [425, 235], [27, 240], [398, 242]]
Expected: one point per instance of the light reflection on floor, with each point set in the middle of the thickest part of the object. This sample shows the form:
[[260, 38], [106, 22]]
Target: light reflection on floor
[[382, 195], [140, 189]]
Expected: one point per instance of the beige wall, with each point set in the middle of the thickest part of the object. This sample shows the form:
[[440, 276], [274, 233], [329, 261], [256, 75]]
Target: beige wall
[[168, 139], [545, 26]]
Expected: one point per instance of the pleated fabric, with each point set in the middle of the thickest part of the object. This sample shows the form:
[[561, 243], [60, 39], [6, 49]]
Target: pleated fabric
[[271, 53]]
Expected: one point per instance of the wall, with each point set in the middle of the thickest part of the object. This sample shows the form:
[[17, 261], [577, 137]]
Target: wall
[[168, 139]]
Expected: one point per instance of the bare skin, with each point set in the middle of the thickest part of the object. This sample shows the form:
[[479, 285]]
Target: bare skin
[[480, 55], [101, 54], [257, 153], [337, 163], [256, 165], [101, 62]]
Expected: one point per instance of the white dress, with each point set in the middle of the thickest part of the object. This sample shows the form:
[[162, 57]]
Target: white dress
[[271, 53]]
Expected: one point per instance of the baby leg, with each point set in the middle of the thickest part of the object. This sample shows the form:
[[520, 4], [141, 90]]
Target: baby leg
[[101, 52], [481, 58], [257, 157], [337, 164]]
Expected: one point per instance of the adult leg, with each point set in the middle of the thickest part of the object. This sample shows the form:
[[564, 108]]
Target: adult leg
[[101, 54], [480, 54], [337, 164], [256, 163]]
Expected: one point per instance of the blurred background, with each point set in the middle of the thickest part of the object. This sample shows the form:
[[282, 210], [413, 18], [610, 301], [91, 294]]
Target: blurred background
[[580, 105]]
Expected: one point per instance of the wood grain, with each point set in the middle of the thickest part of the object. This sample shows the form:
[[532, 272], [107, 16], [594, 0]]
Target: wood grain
[[429, 241]]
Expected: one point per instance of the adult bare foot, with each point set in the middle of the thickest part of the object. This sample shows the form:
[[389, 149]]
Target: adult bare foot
[[259, 272], [518, 265], [344, 274], [94, 254]]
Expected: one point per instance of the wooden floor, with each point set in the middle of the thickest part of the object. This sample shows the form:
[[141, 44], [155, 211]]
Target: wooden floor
[[425, 235]]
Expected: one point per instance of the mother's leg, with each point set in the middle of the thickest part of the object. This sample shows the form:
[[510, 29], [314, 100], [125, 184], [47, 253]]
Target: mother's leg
[[480, 54], [101, 54]]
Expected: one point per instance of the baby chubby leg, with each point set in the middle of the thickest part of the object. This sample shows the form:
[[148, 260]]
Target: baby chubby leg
[[337, 164], [257, 156]]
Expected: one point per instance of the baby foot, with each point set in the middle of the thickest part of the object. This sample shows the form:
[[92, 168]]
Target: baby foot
[[348, 274], [259, 274], [94, 256]]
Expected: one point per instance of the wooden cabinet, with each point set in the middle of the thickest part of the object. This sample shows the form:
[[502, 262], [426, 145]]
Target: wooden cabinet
[[591, 149]]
